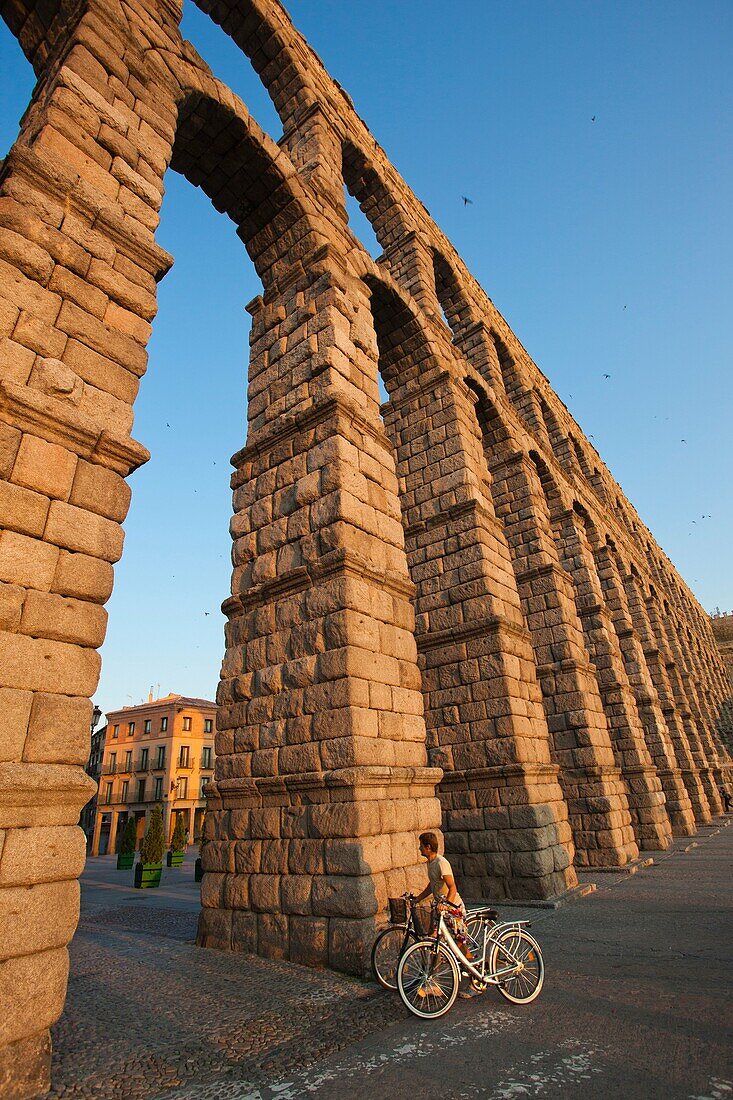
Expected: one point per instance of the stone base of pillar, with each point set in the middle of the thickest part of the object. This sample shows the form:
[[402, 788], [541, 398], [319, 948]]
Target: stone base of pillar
[[301, 867], [698, 797], [678, 805], [649, 818], [25, 1067], [506, 832], [600, 818], [711, 785]]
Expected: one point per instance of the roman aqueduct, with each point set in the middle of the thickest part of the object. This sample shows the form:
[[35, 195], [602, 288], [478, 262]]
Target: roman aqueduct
[[442, 614]]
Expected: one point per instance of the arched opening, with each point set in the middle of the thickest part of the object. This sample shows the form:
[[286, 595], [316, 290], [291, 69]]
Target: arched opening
[[453, 304], [552, 427], [580, 456], [278, 66], [166, 625], [18, 83], [373, 214], [509, 372]]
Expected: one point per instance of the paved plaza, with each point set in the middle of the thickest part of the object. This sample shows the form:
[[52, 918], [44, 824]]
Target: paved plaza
[[637, 1003]]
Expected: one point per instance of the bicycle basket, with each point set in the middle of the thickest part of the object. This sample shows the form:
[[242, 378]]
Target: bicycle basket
[[398, 910], [423, 917]]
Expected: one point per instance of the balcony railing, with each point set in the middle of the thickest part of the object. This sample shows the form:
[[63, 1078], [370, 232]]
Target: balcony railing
[[185, 765]]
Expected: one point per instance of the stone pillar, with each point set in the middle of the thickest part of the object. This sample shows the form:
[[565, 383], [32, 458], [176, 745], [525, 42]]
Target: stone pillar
[[676, 700], [410, 262], [475, 341], [643, 788], [79, 196], [322, 783], [707, 760], [591, 780], [660, 678], [658, 740], [505, 821]]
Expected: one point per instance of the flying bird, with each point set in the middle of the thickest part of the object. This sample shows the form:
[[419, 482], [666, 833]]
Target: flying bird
[[593, 119], [606, 375], [683, 441], [466, 200]]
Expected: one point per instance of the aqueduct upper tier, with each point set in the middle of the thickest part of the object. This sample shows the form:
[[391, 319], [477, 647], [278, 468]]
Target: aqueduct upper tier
[[443, 614]]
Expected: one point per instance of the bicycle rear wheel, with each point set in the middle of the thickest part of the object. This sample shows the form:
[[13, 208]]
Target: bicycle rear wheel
[[512, 947], [386, 954], [428, 979], [477, 926]]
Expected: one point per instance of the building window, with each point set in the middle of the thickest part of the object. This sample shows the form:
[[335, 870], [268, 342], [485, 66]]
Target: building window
[[115, 731], [160, 763], [206, 757], [148, 725], [184, 756], [183, 787], [128, 760], [187, 725], [141, 790], [112, 763], [204, 780], [108, 793], [158, 788], [125, 789], [144, 757], [130, 727], [163, 725], [208, 725]]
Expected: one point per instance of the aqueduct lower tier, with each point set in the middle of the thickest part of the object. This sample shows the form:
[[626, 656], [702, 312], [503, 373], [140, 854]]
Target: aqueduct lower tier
[[443, 614]]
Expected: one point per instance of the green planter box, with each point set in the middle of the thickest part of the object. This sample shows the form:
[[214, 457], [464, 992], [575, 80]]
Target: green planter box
[[175, 859], [198, 871], [148, 875], [125, 861]]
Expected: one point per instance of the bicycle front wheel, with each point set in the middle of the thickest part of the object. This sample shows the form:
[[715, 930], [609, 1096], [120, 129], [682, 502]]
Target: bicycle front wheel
[[428, 979], [387, 952], [516, 948]]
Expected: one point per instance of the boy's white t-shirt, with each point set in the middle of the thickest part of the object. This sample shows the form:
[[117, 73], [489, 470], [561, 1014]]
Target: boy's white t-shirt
[[437, 869]]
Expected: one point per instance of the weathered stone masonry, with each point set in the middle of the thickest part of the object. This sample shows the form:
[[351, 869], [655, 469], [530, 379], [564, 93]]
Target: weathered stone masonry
[[443, 612]]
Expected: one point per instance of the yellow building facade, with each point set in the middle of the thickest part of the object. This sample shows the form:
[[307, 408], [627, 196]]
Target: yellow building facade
[[162, 752]]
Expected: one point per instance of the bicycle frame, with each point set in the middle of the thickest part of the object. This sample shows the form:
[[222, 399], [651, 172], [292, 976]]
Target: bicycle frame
[[442, 935]]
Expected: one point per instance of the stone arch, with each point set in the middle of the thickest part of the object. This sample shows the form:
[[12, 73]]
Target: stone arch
[[451, 296], [510, 371], [364, 183], [550, 486], [555, 433], [498, 438], [259, 190], [271, 43], [580, 456], [406, 352], [38, 36]]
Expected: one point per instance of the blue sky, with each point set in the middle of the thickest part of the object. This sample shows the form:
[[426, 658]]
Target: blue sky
[[606, 244]]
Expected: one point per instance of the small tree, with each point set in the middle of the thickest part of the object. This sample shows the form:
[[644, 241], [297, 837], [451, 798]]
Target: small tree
[[153, 845], [128, 843], [178, 840]]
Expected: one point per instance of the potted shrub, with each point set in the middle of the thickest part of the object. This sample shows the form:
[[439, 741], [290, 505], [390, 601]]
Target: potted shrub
[[178, 843], [198, 871], [126, 855], [150, 866]]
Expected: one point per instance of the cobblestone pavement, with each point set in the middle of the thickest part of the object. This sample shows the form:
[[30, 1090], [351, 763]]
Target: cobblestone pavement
[[636, 1004], [148, 1011]]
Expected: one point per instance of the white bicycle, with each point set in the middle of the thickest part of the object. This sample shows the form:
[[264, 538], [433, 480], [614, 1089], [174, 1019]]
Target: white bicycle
[[503, 954]]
